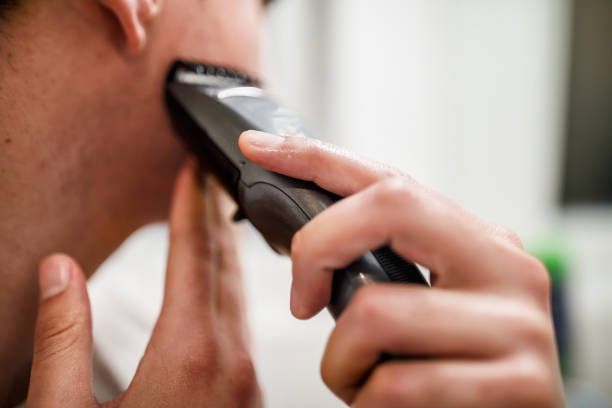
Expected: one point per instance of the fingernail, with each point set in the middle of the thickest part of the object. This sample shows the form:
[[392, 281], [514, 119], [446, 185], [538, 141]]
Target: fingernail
[[54, 277], [263, 140]]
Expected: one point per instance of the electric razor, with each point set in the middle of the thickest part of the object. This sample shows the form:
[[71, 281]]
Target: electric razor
[[210, 108]]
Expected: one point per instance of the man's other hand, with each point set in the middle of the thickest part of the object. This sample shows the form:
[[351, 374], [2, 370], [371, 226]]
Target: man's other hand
[[198, 354]]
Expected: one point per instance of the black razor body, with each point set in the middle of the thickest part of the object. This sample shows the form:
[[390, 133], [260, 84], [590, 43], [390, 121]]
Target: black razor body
[[210, 108]]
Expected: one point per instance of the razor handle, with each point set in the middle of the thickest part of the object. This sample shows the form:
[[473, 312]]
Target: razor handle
[[210, 119]]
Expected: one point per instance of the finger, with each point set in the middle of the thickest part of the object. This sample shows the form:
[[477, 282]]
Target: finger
[[62, 367], [419, 225], [331, 167], [190, 277], [230, 288], [414, 321], [521, 381], [183, 346]]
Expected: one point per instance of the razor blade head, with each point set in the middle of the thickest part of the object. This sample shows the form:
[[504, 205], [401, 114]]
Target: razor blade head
[[208, 75]]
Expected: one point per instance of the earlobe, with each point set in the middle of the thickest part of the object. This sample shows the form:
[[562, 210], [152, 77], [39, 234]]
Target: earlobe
[[133, 15]]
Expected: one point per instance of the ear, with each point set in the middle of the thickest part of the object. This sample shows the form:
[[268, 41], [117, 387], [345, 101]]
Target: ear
[[133, 15]]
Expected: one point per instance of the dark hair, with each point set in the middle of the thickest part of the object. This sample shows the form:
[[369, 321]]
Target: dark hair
[[6, 6]]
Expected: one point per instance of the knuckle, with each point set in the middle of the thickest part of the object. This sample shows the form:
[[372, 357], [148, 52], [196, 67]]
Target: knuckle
[[535, 384], [58, 334], [198, 361], [243, 376], [395, 190], [366, 305], [527, 327], [526, 382], [537, 277], [535, 330], [384, 388]]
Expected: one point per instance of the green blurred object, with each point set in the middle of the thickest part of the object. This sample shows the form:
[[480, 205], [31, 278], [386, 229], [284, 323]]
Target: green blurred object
[[554, 255], [555, 258]]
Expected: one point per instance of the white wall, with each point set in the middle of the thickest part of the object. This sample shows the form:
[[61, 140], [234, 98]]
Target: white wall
[[465, 95]]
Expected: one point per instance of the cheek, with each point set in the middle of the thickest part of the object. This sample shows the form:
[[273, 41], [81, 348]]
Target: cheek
[[221, 32]]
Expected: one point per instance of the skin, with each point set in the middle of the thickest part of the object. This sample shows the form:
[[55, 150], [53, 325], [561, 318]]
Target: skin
[[87, 154], [481, 336], [207, 365]]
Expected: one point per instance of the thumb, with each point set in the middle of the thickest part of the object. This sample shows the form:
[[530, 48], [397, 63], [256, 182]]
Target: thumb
[[62, 366]]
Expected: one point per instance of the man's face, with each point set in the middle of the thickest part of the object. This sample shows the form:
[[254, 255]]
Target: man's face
[[140, 147]]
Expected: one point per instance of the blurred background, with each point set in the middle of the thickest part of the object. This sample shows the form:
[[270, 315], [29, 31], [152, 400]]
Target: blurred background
[[503, 105]]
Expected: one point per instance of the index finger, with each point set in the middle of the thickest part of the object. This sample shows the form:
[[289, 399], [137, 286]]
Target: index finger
[[331, 167], [190, 272]]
